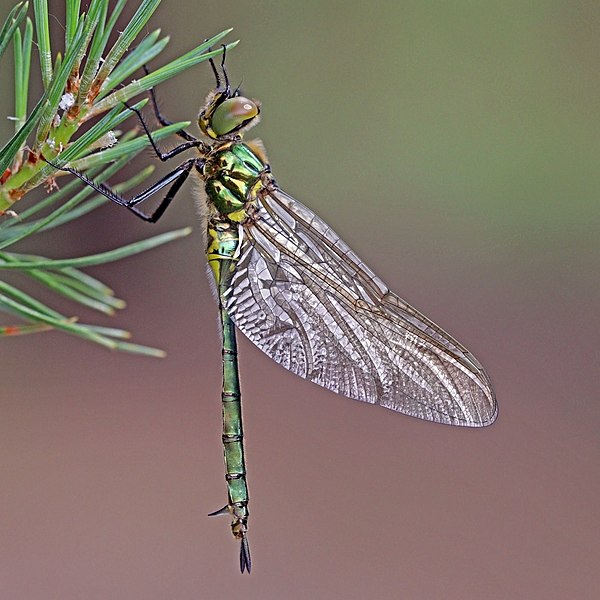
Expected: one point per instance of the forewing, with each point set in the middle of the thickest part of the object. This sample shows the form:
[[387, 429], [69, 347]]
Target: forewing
[[304, 298]]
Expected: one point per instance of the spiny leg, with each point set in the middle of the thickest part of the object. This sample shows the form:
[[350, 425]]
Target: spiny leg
[[164, 156], [223, 69], [161, 118], [175, 179], [227, 87]]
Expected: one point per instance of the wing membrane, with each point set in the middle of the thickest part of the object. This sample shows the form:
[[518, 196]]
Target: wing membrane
[[303, 297]]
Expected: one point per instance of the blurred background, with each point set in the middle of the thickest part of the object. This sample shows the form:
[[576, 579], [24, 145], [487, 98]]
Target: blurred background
[[454, 146]]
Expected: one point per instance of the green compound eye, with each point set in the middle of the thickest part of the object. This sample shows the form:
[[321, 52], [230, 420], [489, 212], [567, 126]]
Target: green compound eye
[[232, 114]]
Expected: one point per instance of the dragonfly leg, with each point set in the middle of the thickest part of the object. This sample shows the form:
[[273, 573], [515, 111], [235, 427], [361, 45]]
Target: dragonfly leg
[[164, 156], [226, 87], [175, 179], [160, 117]]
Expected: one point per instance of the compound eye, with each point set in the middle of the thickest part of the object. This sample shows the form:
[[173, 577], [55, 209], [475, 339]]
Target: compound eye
[[231, 114]]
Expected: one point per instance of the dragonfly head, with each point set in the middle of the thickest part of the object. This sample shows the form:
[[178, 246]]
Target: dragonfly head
[[226, 114]]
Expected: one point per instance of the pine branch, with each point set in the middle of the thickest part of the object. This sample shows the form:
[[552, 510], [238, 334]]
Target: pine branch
[[86, 83]]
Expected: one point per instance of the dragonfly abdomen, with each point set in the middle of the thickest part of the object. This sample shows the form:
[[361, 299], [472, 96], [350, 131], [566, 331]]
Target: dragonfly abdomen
[[222, 257]]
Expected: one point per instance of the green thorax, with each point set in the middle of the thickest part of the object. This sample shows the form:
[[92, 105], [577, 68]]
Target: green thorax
[[232, 175]]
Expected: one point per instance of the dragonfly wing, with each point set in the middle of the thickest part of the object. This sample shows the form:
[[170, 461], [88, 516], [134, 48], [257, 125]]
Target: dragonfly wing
[[303, 297]]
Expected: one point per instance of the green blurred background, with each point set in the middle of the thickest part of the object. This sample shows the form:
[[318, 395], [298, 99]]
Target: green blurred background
[[454, 146]]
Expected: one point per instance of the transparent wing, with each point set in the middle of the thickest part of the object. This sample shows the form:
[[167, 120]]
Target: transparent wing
[[304, 298]]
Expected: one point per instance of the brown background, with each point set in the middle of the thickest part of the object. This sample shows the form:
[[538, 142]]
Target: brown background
[[455, 147]]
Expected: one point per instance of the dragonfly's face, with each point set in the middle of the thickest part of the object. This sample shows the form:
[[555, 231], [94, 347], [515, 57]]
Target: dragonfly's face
[[224, 115]]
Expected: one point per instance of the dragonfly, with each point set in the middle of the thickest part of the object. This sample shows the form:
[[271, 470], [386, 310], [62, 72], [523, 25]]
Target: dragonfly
[[288, 282]]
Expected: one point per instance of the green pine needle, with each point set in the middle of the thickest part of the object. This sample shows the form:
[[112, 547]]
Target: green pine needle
[[89, 80]]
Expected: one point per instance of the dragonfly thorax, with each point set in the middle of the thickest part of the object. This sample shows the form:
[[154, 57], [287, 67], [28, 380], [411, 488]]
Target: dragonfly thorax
[[232, 175]]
